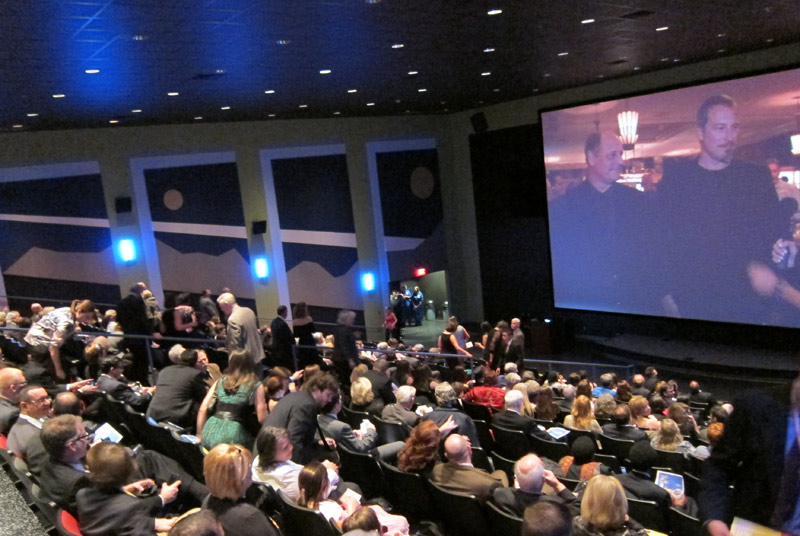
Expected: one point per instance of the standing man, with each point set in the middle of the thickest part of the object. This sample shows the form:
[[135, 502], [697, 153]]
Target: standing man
[[242, 328], [132, 317], [720, 215], [417, 300], [282, 339], [206, 308], [598, 245]]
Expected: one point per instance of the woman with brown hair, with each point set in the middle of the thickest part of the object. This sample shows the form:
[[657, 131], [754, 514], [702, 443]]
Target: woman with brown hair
[[226, 469], [546, 407], [234, 396], [421, 450], [448, 345], [46, 337], [581, 417], [303, 328]]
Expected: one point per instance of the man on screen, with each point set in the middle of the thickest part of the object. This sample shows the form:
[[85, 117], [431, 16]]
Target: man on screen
[[719, 216], [598, 236]]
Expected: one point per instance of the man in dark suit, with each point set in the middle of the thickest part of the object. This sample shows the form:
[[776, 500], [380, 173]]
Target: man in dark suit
[[516, 350], [698, 396], [282, 339], [447, 407], [378, 375], [459, 475], [622, 427], [206, 308], [12, 380], [651, 379], [512, 417], [34, 408], [531, 476], [111, 369], [297, 413], [362, 440], [400, 411], [637, 482], [637, 386], [132, 318], [180, 390], [753, 457]]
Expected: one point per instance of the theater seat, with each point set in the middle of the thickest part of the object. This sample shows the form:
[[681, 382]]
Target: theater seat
[[66, 524]]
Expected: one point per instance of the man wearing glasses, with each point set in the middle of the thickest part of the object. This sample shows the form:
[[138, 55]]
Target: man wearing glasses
[[34, 408], [11, 383]]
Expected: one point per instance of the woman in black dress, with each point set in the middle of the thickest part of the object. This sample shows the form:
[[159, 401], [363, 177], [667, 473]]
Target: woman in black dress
[[304, 329]]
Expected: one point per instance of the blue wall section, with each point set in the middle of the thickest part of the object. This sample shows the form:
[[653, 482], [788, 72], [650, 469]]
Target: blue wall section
[[211, 194], [78, 197], [210, 245], [335, 260], [404, 213], [313, 193], [19, 237]]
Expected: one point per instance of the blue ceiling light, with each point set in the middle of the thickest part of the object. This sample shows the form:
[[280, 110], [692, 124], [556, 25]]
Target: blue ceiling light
[[368, 282], [126, 249], [261, 267]]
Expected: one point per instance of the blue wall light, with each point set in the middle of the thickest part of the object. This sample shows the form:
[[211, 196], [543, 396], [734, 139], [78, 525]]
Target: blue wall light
[[368, 282], [127, 250], [261, 267]]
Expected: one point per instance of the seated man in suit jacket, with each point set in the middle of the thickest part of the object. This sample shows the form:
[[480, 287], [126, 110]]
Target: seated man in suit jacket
[[459, 475], [400, 411], [34, 404], [512, 417], [447, 407], [111, 382], [362, 440], [180, 390], [623, 427], [531, 476]]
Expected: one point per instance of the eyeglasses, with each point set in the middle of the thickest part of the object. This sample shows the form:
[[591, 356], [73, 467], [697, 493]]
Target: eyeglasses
[[41, 401], [82, 437]]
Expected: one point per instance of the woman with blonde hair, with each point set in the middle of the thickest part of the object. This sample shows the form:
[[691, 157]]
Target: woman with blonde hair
[[528, 408], [604, 511], [669, 437], [235, 397], [362, 398], [226, 469], [581, 417], [641, 413]]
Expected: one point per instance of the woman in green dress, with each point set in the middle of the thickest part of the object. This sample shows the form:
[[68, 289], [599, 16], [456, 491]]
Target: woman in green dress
[[233, 399]]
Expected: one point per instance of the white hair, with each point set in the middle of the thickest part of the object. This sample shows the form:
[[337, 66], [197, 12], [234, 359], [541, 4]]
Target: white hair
[[405, 393], [510, 367], [512, 379], [175, 353], [226, 298], [514, 400]]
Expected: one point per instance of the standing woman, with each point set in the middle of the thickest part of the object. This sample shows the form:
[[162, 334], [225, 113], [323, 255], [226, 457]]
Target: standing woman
[[49, 333], [345, 353], [448, 344], [390, 324], [236, 395], [303, 328]]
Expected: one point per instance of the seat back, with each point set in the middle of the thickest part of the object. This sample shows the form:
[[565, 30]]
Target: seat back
[[512, 444], [408, 493], [137, 424], [546, 424], [190, 455], [648, 514], [554, 450], [299, 520], [114, 412], [501, 523], [3, 442], [481, 460], [691, 484], [389, 431], [609, 461], [265, 498], [681, 524], [616, 447], [461, 514], [353, 418], [575, 434], [362, 469], [570, 483], [504, 464], [674, 461], [477, 411], [485, 436]]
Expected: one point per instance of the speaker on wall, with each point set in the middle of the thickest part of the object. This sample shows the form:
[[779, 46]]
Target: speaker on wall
[[123, 204], [259, 227], [479, 123]]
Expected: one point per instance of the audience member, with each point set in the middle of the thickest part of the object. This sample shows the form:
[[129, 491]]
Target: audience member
[[378, 375], [488, 394], [529, 478], [242, 330], [360, 440], [459, 475], [528, 409], [606, 386], [580, 464], [637, 386], [622, 426], [110, 381], [624, 392], [604, 406], [546, 408], [34, 406], [180, 391], [401, 410], [604, 511], [362, 398], [421, 450], [12, 381], [547, 518], [447, 409], [582, 417], [669, 438], [201, 523], [641, 414]]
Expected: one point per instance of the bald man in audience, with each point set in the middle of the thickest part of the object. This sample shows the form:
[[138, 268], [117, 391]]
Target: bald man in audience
[[637, 386], [34, 409], [459, 475], [529, 478], [11, 383]]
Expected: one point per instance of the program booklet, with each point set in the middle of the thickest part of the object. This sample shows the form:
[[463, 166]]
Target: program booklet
[[670, 481], [742, 527]]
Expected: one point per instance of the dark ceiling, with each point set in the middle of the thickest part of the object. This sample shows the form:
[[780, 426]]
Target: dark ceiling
[[222, 57]]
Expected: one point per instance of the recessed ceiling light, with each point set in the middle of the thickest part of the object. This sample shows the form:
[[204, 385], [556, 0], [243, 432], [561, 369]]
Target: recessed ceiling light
[[770, 40], [32, 115], [16, 126], [373, 1], [496, 90], [139, 37], [636, 68], [676, 60], [587, 21], [271, 115], [219, 71], [370, 104], [422, 90], [398, 101], [600, 76], [412, 73], [488, 49], [536, 90], [283, 41], [720, 51], [225, 107], [494, 11], [173, 94], [198, 117], [269, 91], [113, 121], [337, 113], [352, 90], [59, 96], [563, 53], [398, 45], [136, 111], [662, 28], [547, 75], [303, 106], [664, 59], [324, 71], [486, 73], [721, 34], [91, 71]]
